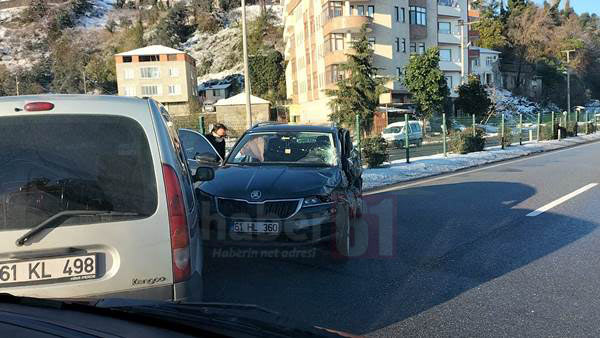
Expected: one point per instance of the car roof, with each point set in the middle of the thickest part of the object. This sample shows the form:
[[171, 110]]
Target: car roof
[[76, 104], [293, 127]]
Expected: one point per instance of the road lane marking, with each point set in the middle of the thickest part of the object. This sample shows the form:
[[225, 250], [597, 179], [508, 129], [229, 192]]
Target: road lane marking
[[466, 171], [561, 200]]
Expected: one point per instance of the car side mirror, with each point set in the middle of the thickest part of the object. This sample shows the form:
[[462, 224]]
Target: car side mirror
[[204, 174], [207, 158]]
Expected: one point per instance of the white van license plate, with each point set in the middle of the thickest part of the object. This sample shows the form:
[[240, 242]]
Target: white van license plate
[[256, 227], [49, 270]]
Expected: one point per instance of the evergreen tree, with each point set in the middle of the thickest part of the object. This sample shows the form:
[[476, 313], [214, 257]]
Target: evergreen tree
[[358, 91], [472, 97], [267, 75], [173, 29], [426, 83]]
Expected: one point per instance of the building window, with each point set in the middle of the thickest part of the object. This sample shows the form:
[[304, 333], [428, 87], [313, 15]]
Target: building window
[[149, 73], [403, 45], [129, 91], [372, 42], [173, 72], [444, 28], [149, 58], [397, 13], [445, 54], [335, 8], [127, 59], [449, 82], [397, 44], [476, 62], [488, 79], [418, 16], [403, 14], [216, 92], [413, 48], [334, 42], [174, 89], [421, 48], [172, 57], [150, 90], [361, 10], [371, 11], [128, 74], [489, 60]]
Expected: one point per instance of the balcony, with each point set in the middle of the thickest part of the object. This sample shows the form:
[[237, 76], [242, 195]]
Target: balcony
[[345, 24], [450, 66], [449, 8], [451, 39], [335, 57]]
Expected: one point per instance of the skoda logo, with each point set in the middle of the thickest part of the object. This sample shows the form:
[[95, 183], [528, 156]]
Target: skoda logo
[[256, 194]]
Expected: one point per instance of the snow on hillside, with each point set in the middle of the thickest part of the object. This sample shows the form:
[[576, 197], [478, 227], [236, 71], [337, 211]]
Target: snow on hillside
[[217, 51], [99, 15]]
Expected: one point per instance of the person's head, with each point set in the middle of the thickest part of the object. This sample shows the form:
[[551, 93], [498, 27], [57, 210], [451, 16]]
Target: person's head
[[219, 130]]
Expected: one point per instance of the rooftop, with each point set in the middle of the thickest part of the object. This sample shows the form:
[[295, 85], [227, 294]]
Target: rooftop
[[152, 50], [240, 99]]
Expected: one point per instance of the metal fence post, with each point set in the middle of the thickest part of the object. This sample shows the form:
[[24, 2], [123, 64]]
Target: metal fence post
[[539, 125], [502, 132], [201, 125], [577, 122], [552, 137], [444, 134], [406, 140], [474, 133], [587, 123], [357, 133], [520, 129]]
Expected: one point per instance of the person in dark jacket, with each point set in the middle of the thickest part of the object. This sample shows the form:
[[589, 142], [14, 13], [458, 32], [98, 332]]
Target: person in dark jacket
[[217, 138]]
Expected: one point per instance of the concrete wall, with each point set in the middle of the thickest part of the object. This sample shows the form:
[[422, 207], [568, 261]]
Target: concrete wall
[[234, 117]]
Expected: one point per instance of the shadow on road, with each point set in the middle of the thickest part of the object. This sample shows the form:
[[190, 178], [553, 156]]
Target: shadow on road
[[426, 245]]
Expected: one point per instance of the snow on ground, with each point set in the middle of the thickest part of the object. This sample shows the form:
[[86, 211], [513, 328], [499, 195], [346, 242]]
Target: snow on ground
[[98, 17], [399, 171]]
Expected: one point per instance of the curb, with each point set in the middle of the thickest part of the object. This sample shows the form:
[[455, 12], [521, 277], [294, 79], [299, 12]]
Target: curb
[[374, 190]]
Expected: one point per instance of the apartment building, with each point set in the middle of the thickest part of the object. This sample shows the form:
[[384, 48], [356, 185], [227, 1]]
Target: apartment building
[[168, 75], [318, 35]]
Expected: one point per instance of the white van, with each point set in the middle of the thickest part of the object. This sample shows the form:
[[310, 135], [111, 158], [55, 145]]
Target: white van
[[394, 134], [96, 200]]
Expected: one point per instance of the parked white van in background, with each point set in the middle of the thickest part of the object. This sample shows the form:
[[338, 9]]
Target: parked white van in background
[[96, 200], [394, 134]]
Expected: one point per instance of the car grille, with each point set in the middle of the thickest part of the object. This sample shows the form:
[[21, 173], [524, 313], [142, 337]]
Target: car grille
[[266, 210]]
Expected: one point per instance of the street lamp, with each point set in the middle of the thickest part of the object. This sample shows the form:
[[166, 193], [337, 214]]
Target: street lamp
[[246, 71], [463, 46]]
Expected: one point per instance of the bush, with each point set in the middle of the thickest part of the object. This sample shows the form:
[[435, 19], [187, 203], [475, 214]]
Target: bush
[[464, 142], [207, 23], [375, 151]]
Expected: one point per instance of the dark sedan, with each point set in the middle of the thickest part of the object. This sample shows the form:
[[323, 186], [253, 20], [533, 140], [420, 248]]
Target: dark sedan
[[285, 185]]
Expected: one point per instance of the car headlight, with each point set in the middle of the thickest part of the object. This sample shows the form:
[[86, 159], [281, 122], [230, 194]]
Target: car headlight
[[316, 200]]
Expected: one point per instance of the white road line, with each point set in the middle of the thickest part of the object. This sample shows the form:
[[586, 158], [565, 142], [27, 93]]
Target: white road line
[[443, 176], [561, 200]]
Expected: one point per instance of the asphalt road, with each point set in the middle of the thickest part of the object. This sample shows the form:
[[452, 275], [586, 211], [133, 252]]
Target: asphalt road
[[451, 256]]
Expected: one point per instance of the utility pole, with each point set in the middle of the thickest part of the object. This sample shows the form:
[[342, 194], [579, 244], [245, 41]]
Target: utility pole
[[464, 45], [568, 52], [246, 71]]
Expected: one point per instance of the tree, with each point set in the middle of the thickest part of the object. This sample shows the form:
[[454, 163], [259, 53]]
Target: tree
[[173, 29], [68, 62], [490, 26], [427, 84], [267, 75], [100, 74], [472, 97], [358, 90], [36, 10]]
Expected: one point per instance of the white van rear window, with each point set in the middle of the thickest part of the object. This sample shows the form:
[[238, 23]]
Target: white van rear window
[[50, 164]]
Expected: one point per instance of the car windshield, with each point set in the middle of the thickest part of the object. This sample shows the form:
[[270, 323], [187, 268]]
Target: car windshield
[[292, 148], [51, 164]]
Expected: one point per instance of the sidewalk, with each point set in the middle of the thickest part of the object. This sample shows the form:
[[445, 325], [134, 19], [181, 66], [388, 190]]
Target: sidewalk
[[399, 171]]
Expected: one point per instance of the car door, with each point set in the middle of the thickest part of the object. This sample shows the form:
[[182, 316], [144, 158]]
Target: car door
[[416, 131], [196, 146]]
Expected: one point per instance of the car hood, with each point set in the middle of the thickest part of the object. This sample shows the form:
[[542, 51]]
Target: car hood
[[273, 182]]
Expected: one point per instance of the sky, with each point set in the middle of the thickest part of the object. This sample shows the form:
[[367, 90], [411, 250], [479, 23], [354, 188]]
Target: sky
[[581, 6]]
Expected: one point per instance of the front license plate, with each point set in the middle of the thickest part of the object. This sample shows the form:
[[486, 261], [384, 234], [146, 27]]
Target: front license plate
[[49, 270], [256, 227]]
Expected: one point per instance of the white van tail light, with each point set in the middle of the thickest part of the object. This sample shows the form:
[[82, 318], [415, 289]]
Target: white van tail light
[[180, 243]]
